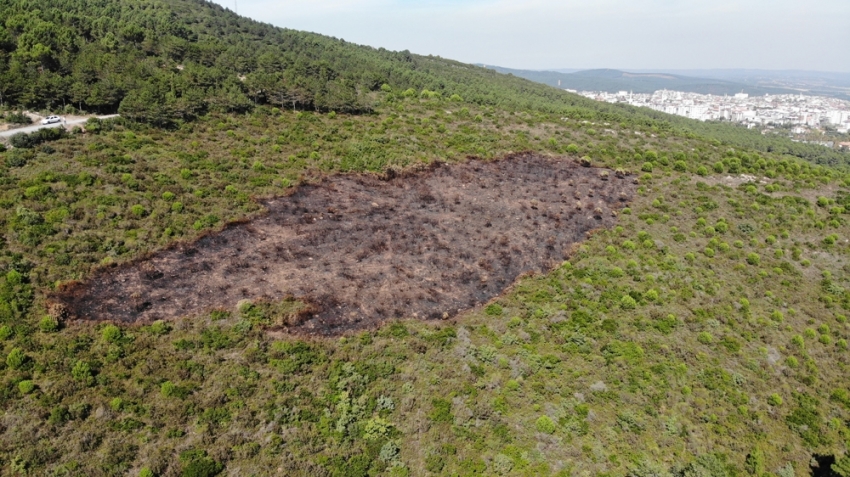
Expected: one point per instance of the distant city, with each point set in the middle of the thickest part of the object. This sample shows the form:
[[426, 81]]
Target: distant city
[[798, 113]]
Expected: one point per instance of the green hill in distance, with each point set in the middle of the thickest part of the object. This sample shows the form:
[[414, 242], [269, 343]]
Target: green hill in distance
[[702, 331], [613, 81]]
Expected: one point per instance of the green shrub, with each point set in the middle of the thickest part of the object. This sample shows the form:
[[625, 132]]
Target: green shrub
[[705, 338], [138, 210], [196, 463], [94, 125], [493, 309], [397, 330], [646, 167], [169, 389], [146, 472], [545, 425], [160, 328], [666, 325], [502, 464], [376, 429], [16, 358], [117, 404], [59, 415], [82, 372], [18, 117], [48, 324], [26, 386], [753, 258], [434, 463], [29, 141], [731, 344], [774, 400], [442, 411], [628, 303], [18, 157], [390, 452], [111, 333]]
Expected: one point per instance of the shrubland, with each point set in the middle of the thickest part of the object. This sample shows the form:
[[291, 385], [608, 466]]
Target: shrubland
[[716, 308]]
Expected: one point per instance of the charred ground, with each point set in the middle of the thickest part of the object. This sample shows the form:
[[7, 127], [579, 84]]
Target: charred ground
[[362, 249]]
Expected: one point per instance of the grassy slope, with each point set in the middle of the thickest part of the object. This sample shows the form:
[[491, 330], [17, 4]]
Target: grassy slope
[[687, 372]]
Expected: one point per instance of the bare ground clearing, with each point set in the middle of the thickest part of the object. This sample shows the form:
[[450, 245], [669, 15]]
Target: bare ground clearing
[[363, 250]]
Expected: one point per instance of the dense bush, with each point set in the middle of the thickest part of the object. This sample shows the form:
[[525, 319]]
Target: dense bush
[[17, 117], [29, 141]]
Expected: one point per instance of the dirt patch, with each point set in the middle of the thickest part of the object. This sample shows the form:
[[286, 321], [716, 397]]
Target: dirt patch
[[732, 181], [363, 249]]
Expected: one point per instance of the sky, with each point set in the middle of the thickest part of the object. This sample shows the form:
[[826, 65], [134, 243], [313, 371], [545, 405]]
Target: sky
[[549, 34]]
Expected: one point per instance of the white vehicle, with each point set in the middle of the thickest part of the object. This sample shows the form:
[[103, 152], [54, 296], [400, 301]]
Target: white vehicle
[[51, 120]]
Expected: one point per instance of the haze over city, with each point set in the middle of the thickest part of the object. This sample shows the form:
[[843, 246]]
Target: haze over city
[[548, 34]]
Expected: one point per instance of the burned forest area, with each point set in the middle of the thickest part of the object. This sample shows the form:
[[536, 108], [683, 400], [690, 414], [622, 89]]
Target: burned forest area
[[362, 249]]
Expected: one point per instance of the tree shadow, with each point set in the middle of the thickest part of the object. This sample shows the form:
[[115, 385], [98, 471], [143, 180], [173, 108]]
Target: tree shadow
[[821, 466]]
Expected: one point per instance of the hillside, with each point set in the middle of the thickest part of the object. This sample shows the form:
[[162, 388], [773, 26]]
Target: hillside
[[165, 62], [699, 330]]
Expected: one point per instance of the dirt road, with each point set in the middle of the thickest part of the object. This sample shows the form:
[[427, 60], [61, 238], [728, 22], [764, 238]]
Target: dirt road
[[35, 127]]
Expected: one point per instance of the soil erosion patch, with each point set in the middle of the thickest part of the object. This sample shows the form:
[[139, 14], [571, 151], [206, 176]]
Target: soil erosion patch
[[361, 249]]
